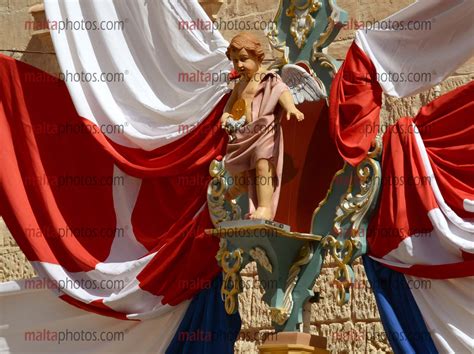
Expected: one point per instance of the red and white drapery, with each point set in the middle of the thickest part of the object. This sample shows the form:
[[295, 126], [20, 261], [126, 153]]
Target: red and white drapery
[[103, 183], [423, 224]]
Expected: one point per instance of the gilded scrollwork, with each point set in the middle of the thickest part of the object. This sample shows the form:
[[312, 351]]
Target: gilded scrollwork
[[272, 35], [356, 206], [222, 248], [325, 61], [341, 253], [302, 22], [231, 262], [333, 22], [353, 209], [280, 315], [216, 195]]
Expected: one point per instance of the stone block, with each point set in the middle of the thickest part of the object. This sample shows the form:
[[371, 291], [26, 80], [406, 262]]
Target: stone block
[[345, 337], [6, 239], [3, 5], [245, 347], [338, 50], [237, 8], [366, 12], [254, 312], [14, 266], [327, 310], [363, 305], [376, 339]]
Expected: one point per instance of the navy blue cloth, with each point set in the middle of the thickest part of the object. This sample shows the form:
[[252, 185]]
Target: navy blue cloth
[[206, 328], [404, 326]]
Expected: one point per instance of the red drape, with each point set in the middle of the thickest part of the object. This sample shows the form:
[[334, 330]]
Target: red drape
[[354, 106], [446, 130], [43, 142], [446, 126]]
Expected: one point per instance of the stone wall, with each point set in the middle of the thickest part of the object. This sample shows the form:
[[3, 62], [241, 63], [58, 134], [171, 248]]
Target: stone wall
[[14, 14], [352, 328], [16, 33]]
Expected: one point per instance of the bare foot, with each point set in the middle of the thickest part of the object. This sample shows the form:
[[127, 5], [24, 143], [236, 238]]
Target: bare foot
[[264, 213]]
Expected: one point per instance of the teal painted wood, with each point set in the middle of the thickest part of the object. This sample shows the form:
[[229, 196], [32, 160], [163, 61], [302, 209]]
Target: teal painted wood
[[343, 217], [286, 269], [320, 34], [291, 265], [323, 220], [282, 254]]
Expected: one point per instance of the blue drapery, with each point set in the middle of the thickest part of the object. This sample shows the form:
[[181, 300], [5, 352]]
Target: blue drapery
[[404, 326], [206, 328]]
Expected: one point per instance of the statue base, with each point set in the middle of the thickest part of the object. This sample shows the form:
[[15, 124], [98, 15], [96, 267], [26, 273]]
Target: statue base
[[294, 343]]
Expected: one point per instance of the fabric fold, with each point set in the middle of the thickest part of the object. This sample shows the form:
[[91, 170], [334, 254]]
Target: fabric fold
[[84, 209]]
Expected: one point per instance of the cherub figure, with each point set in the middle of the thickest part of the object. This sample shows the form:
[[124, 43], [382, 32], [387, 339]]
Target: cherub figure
[[252, 116]]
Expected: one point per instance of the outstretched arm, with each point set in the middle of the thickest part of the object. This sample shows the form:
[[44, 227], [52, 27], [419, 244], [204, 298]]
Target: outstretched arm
[[286, 101]]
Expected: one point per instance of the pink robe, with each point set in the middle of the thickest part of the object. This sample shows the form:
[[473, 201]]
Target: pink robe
[[260, 139]]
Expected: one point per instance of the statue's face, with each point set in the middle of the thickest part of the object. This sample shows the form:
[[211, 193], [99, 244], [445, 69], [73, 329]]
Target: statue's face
[[245, 63]]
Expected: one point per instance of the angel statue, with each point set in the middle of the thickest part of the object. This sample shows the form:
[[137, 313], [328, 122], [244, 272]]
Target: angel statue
[[254, 155]]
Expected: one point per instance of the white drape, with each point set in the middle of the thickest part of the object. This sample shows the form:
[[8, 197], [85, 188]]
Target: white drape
[[165, 81], [167, 78], [437, 37], [36, 321], [446, 306]]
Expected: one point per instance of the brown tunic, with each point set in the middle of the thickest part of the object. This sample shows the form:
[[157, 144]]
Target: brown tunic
[[262, 138]]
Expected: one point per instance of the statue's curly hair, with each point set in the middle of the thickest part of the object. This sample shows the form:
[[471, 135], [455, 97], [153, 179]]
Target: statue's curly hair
[[248, 41]]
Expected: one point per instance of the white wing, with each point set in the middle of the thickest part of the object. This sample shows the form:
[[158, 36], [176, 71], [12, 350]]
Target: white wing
[[303, 86]]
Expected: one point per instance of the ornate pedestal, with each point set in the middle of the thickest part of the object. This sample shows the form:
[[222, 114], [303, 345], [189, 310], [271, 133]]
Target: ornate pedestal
[[288, 264], [294, 343]]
